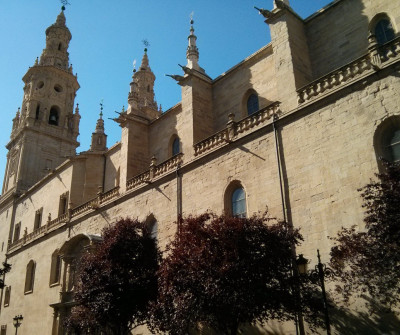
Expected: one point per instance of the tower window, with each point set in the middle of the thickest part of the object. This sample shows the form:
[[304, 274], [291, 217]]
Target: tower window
[[58, 88], [54, 115], [384, 31], [59, 46], [37, 112], [30, 277], [252, 104], [40, 84]]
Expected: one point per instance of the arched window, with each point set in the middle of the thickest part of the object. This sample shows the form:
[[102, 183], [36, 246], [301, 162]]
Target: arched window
[[53, 116], [239, 203], [235, 200], [7, 296], [37, 115], [394, 146], [176, 146], [30, 277], [387, 139], [55, 271], [384, 31], [252, 104], [153, 229]]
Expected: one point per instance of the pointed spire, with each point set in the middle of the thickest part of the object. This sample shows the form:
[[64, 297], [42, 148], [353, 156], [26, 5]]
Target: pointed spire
[[145, 61], [99, 138], [60, 21], [192, 52], [77, 109]]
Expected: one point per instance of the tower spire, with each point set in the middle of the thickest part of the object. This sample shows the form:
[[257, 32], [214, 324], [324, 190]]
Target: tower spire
[[192, 52], [58, 37], [99, 138], [141, 97]]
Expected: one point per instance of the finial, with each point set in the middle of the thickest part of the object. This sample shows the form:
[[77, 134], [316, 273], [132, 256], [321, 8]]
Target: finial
[[146, 44], [77, 109], [134, 65], [36, 61], [101, 109], [123, 108]]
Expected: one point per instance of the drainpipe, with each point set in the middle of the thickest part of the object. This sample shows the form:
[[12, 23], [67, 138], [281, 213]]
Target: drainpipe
[[178, 197], [299, 322]]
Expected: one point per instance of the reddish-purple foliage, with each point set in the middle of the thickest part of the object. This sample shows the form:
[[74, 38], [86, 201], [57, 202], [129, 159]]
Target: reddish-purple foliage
[[369, 261], [116, 281], [224, 271]]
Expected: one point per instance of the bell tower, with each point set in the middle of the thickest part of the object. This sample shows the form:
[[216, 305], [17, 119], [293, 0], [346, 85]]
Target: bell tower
[[45, 129]]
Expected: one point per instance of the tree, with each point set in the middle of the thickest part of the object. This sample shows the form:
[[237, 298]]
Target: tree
[[368, 261], [116, 281], [6, 268], [223, 272]]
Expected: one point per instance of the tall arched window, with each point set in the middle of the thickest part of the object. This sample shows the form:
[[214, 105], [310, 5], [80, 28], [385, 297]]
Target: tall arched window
[[387, 139], [252, 104], [55, 270], [7, 296], [30, 277], [239, 203], [235, 200], [176, 146], [394, 146], [384, 31], [53, 116]]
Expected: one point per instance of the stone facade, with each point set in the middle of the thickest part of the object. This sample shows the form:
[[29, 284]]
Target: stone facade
[[328, 99]]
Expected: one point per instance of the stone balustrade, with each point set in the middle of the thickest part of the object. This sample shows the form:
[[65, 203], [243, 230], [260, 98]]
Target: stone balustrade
[[218, 139], [168, 165], [111, 194], [143, 178], [350, 72], [233, 129]]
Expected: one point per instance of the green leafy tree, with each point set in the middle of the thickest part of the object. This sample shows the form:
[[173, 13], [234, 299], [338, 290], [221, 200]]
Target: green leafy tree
[[116, 281], [368, 261], [224, 272], [6, 268]]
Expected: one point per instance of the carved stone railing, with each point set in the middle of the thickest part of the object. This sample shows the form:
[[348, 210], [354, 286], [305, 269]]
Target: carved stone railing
[[257, 118], [91, 204], [61, 219], [373, 60], [233, 128], [143, 178], [218, 139], [168, 165], [113, 193]]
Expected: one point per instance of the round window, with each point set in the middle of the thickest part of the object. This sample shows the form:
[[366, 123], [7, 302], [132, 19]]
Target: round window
[[58, 88], [40, 84]]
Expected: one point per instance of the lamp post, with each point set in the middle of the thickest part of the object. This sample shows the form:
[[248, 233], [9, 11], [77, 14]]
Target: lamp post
[[321, 271], [17, 320]]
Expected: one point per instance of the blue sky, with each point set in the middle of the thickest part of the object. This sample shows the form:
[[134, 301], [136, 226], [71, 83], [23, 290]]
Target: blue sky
[[106, 39]]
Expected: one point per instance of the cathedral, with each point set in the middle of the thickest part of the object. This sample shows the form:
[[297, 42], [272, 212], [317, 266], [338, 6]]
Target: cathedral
[[297, 127]]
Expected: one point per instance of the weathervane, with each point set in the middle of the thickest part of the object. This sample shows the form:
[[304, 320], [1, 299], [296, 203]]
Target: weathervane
[[134, 65], [191, 17], [145, 43], [101, 108], [64, 3]]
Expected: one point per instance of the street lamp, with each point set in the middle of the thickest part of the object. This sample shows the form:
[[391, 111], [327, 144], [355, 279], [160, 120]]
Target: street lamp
[[17, 320], [321, 271]]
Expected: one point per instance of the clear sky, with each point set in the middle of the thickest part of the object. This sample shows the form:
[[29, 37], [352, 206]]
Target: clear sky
[[107, 37]]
